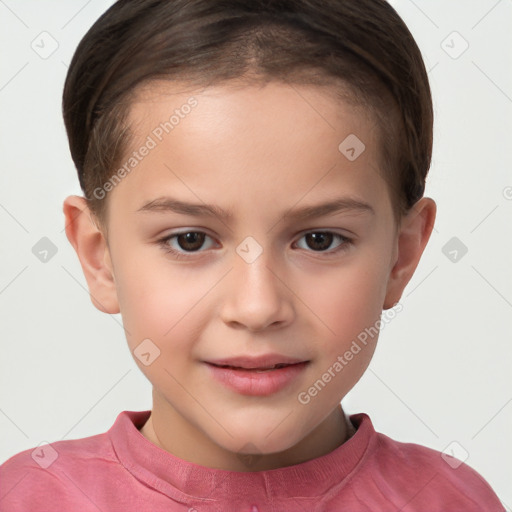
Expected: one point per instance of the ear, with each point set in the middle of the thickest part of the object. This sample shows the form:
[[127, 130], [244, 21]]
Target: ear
[[414, 233], [93, 253]]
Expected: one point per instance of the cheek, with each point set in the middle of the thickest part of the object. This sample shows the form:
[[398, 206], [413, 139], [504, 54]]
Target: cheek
[[163, 305], [350, 295], [160, 302], [347, 302]]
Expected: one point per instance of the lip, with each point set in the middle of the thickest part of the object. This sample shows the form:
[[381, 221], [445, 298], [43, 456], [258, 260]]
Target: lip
[[254, 382], [254, 362]]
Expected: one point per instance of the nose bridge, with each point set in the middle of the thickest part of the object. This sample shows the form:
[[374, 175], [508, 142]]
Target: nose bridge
[[256, 296], [252, 267]]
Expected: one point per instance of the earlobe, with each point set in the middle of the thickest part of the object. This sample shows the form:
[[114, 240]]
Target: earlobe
[[93, 253], [415, 231]]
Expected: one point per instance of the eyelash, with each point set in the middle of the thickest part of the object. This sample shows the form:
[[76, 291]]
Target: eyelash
[[163, 242]]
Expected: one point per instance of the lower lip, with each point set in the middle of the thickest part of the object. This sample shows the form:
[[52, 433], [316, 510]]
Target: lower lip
[[250, 382]]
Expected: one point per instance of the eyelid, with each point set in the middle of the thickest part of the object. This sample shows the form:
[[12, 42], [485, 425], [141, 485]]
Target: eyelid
[[337, 231], [175, 234], [346, 241], [163, 242]]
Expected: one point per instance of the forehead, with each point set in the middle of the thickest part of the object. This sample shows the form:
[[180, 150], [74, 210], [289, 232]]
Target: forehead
[[251, 101], [275, 142]]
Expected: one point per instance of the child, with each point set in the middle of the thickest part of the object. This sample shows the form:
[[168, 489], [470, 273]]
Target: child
[[263, 130]]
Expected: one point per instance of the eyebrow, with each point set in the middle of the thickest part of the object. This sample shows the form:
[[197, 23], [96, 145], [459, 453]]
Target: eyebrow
[[339, 205]]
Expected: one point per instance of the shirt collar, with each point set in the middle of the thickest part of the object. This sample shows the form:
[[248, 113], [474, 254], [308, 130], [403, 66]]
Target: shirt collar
[[185, 481]]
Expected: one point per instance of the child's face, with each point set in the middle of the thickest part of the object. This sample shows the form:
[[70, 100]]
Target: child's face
[[258, 153]]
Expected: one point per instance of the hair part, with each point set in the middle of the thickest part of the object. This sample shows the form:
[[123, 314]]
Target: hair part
[[361, 49]]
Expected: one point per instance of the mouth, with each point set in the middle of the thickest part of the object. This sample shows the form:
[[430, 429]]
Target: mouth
[[257, 369], [268, 361], [257, 380]]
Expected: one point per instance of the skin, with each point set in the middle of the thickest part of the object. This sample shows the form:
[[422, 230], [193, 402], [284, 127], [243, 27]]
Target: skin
[[259, 152]]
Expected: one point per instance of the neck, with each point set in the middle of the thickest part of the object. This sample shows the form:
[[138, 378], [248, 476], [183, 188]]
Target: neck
[[170, 433]]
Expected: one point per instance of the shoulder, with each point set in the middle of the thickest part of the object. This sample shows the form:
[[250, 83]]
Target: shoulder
[[49, 476], [429, 478]]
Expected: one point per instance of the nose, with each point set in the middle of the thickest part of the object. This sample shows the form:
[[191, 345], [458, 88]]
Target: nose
[[256, 297]]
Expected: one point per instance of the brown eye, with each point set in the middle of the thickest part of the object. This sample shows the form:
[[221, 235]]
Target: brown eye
[[187, 242], [320, 241], [190, 241]]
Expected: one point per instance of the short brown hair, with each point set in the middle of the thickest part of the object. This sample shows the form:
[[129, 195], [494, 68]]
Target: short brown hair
[[359, 46]]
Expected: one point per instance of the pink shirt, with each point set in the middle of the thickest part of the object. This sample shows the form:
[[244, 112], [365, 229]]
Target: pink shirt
[[121, 470]]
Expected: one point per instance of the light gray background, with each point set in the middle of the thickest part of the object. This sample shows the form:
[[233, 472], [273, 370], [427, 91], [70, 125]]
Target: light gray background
[[441, 372]]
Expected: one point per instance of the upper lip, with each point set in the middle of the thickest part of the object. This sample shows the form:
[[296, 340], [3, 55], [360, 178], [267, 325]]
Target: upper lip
[[256, 362]]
